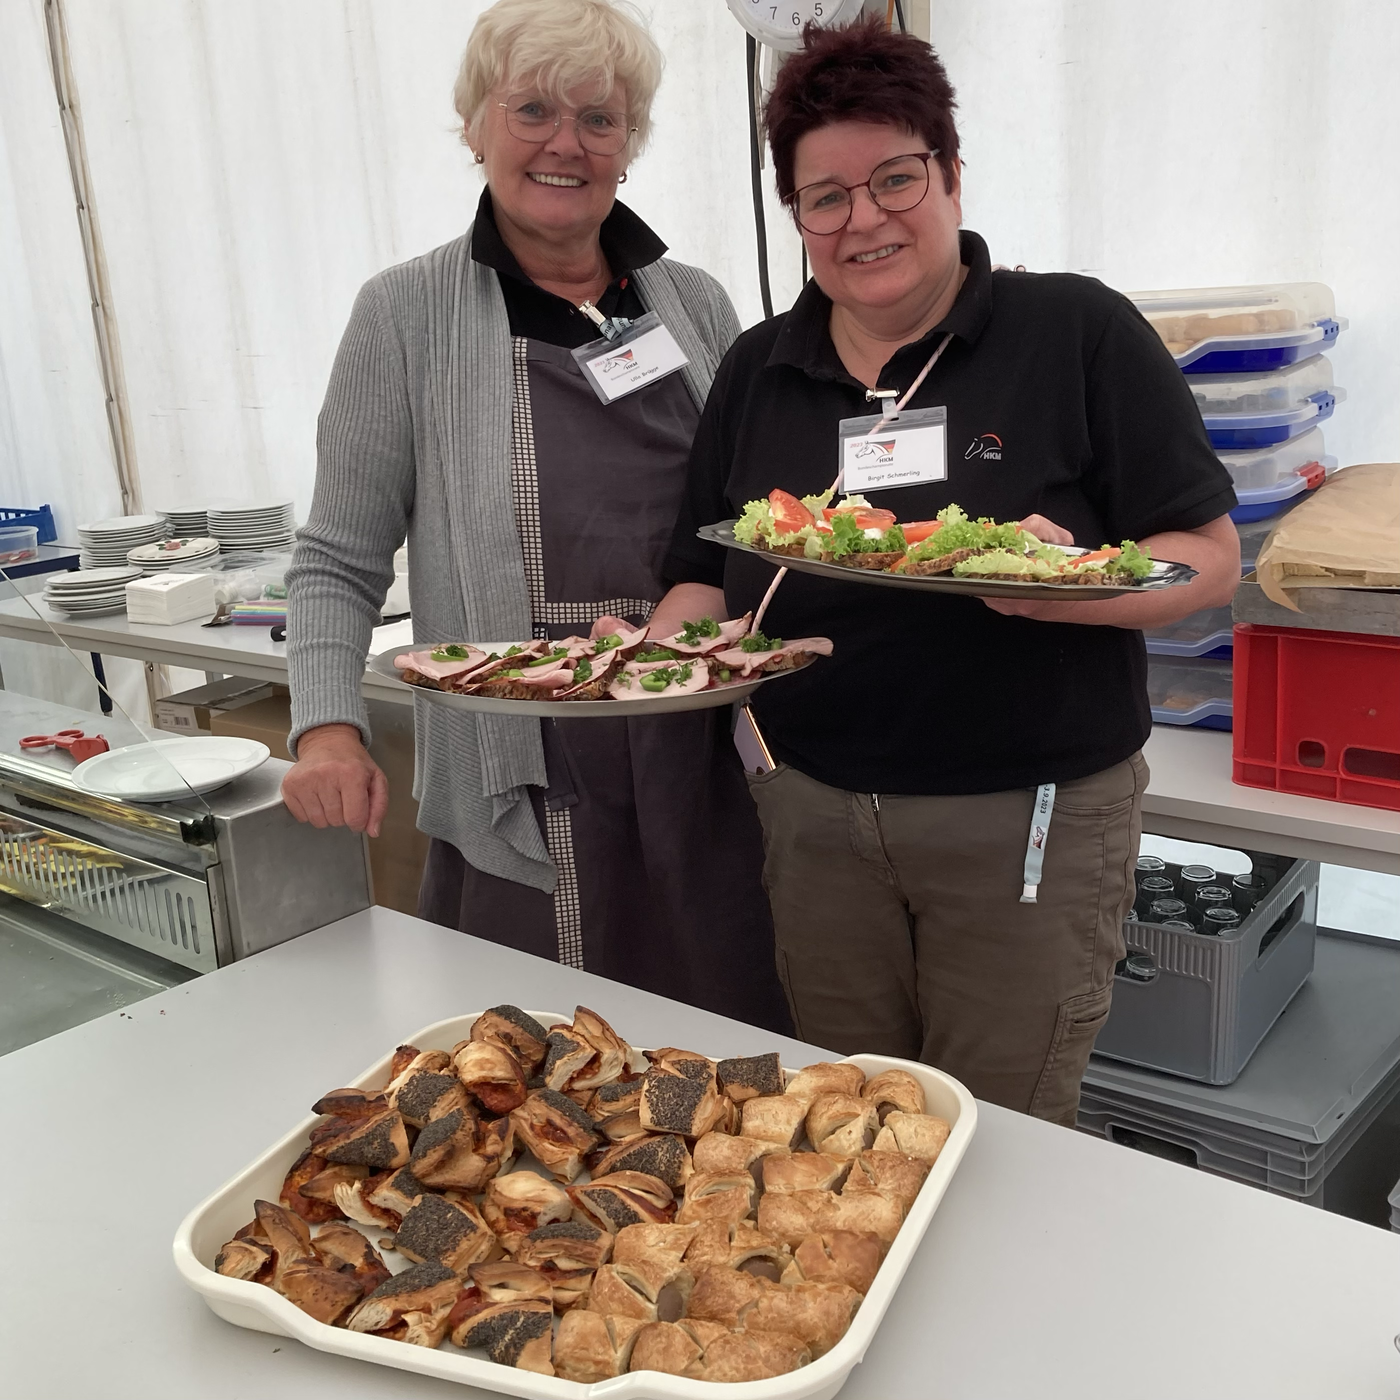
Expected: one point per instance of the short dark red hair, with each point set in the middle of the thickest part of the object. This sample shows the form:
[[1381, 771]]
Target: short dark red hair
[[861, 72]]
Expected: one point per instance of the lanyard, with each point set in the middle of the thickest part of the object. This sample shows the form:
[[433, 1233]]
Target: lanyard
[[885, 417], [1041, 813]]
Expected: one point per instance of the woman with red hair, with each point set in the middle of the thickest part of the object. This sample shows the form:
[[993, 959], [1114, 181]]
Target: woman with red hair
[[949, 744]]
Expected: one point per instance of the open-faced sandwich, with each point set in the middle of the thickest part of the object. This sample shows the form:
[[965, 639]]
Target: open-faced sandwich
[[856, 535], [616, 661]]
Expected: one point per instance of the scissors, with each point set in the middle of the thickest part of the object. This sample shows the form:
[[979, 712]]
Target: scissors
[[73, 741]]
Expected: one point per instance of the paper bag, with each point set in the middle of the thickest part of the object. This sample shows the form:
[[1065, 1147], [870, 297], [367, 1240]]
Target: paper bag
[[1347, 535]]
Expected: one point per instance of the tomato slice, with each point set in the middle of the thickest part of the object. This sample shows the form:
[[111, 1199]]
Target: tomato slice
[[1112, 552], [918, 530], [789, 514], [867, 517]]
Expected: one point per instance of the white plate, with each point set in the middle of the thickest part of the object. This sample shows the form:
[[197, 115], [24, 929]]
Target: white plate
[[143, 772], [213, 1223], [83, 577], [121, 524]]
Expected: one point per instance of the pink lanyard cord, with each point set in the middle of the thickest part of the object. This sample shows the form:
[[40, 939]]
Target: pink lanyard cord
[[885, 417]]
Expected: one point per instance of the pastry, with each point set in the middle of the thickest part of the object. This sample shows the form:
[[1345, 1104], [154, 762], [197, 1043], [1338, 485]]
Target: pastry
[[674, 1100], [425, 1288], [615, 1099], [512, 1334], [504, 1282], [653, 1242], [818, 1314], [779, 1119], [556, 1131], [915, 1134], [565, 1056], [344, 1247], [842, 1125], [728, 1196], [396, 1192], [742, 1246], [590, 1347], [424, 1096], [725, 1295], [664, 1157], [454, 1153], [723, 1152], [851, 1257], [611, 1051], [319, 1206], [890, 1172], [650, 1291], [804, 1171], [379, 1142], [447, 1232], [755, 1357], [408, 1061], [569, 1245], [826, 1078], [751, 1076], [245, 1258], [351, 1105], [492, 1074], [568, 1287], [793, 1215], [894, 1089], [622, 1127], [515, 1030], [320, 1291], [352, 1198], [289, 1237], [690, 1063], [519, 1202], [624, 1198], [668, 1347]]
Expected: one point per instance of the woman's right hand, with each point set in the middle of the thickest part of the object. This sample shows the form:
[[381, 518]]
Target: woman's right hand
[[335, 782]]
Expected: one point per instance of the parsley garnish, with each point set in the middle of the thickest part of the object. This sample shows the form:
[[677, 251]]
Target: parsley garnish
[[583, 670], [453, 652], [758, 642], [693, 633], [607, 643], [657, 654]]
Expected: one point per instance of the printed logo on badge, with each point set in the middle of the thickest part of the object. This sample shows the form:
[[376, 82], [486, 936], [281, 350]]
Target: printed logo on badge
[[987, 447], [877, 454], [613, 365]]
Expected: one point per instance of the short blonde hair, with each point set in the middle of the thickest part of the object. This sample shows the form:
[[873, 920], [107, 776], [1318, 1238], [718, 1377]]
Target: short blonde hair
[[565, 46]]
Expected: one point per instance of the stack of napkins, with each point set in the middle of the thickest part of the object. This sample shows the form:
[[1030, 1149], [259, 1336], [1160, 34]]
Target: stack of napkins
[[165, 599]]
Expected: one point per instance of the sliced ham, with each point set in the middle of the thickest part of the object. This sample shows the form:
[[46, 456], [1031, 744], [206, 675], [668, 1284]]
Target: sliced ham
[[423, 663], [729, 635], [784, 658], [627, 685]]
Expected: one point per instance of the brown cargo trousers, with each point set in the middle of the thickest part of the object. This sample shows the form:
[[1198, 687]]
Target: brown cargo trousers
[[900, 929]]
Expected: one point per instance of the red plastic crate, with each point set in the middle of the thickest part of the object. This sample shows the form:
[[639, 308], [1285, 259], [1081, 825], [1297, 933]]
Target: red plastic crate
[[1318, 714]]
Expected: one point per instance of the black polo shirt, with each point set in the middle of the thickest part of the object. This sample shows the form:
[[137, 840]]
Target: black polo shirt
[[627, 243], [1061, 401]]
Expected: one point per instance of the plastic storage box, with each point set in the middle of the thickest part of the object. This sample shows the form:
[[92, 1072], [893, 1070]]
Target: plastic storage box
[[1262, 468], [1215, 330], [1258, 410], [1198, 1004], [41, 520], [1312, 1116], [18, 543], [1188, 690], [1210, 633], [1318, 714]]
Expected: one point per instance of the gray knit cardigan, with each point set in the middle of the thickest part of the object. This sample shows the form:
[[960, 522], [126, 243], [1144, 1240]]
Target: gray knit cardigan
[[414, 438]]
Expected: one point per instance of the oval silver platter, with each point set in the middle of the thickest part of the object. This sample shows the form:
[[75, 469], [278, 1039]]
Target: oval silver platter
[[734, 691], [1165, 574]]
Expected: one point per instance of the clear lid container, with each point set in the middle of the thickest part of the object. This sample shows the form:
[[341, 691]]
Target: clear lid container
[[1195, 635], [1187, 690], [1271, 392], [1266, 467], [1187, 317]]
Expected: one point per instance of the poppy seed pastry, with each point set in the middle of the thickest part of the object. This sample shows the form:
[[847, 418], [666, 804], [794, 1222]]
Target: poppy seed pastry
[[492, 1074], [516, 1031], [662, 1156], [447, 1232], [750, 1076], [621, 1199], [380, 1143], [567, 1244], [556, 1130], [425, 1095], [424, 1288], [512, 1334], [674, 1102]]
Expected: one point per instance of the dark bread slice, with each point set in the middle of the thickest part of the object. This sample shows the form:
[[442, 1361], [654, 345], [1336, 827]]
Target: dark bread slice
[[878, 563], [927, 568]]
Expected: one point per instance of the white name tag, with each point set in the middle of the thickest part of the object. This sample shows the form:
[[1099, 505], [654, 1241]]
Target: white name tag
[[644, 353], [908, 451]]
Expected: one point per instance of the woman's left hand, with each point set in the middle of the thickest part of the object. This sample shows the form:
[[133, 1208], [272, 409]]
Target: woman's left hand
[[1046, 531]]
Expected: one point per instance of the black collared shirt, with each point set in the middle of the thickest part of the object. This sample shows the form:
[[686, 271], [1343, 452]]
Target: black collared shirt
[[627, 243], [1061, 401]]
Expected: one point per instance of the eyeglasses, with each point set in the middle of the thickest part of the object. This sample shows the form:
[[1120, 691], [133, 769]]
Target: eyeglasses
[[896, 185], [600, 131]]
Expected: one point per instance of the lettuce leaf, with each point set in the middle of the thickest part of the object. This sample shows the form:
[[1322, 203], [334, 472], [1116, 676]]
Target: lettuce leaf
[[756, 520], [849, 538], [1134, 561]]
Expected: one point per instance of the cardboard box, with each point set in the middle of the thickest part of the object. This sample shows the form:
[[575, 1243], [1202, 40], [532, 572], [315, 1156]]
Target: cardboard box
[[189, 711], [396, 857]]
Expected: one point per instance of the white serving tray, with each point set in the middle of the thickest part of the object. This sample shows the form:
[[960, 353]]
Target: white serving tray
[[214, 1222]]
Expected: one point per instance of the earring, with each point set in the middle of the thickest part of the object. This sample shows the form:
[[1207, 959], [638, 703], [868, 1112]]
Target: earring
[[622, 179], [479, 158]]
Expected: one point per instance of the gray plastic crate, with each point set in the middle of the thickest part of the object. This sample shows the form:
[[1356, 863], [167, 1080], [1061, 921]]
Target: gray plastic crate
[[1322, 1094], [1212, 998]]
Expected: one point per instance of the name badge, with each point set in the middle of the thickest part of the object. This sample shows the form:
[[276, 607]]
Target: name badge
[[645, 352], [907, 451]]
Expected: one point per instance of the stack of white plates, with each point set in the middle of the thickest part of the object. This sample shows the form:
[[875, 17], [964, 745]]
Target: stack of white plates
[[187, 521], [253, 524], [157, 558], [90, 591], [104, 543]]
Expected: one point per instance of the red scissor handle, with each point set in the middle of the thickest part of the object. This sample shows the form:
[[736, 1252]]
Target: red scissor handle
[[73, 741]]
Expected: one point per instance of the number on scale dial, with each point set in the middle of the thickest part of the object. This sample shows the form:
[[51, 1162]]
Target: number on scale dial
[[779, 23]]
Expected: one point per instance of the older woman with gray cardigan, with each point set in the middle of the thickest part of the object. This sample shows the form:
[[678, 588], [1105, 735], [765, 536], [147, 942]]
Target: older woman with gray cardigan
[[456, 415]]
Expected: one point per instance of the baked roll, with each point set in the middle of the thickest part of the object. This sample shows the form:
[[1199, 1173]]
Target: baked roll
[[492, 1074], [397, 1192], [320, 1291], [379, 1143], [662, 1156], [649, 1291], [352, 1105], [569, 1287], [818, 1314], [676, 1101], [779, 1119], [648, 1241], [590, 1347], [515, 1030], [826, 1078], [750, 1076], [505, 1282], [722, 1152], [793, 1215], [425, 1095], [842, 1125], [689, 1063], [317, 1205], [851, 1257], [556, 1131], [621, 1199], [727, 1196], [569, 1245], [427, 1289], [915, 1134], [566, 1055], [890, 1172], [614, 1099], [512, 1334], [352, 1199], [343, 1247], [754, 1251], [751, 1357], [804, 1171], [612, 1053], [621, 1127], [446, 1232], [455, 1153], [894, 1089], [522, 1201], [668, 1347], [725, 1295]]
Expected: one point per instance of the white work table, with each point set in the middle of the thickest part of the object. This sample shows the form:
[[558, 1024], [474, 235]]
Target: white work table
[[1190, 796], [1058, 1265]]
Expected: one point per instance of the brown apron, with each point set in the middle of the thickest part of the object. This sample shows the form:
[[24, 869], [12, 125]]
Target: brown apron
[[648, 821]]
